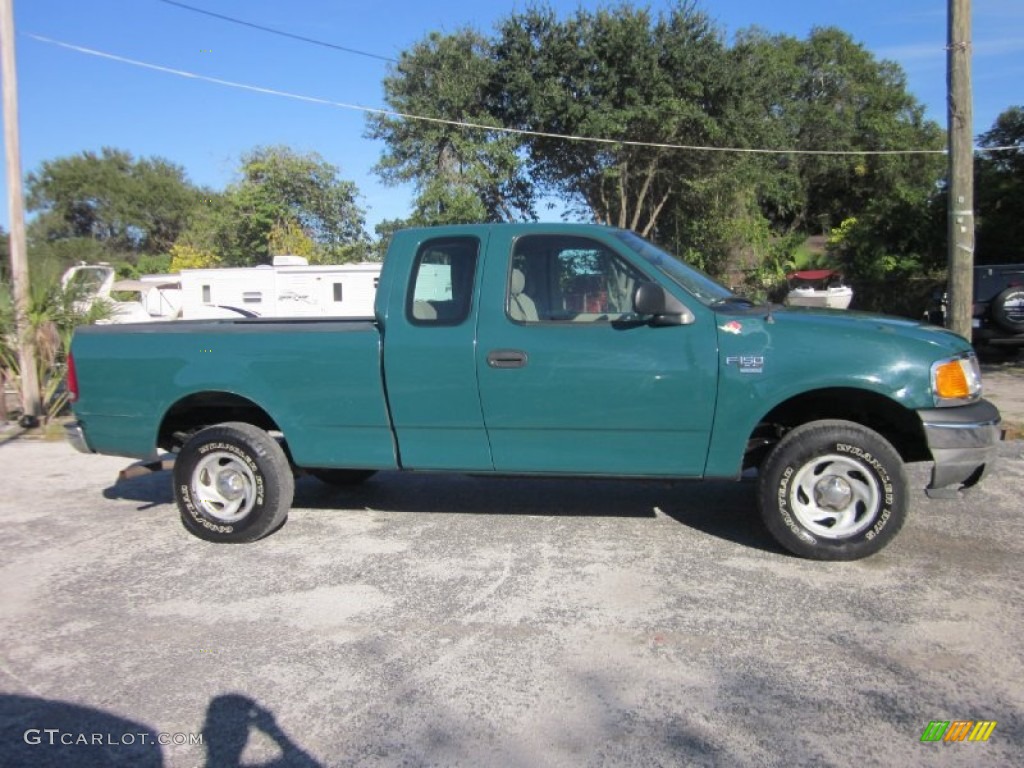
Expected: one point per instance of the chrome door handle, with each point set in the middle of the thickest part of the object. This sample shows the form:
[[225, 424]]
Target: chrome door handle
[[506, 358]]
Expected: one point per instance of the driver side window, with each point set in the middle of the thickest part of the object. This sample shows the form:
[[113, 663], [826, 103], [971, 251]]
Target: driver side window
[[565, 278]]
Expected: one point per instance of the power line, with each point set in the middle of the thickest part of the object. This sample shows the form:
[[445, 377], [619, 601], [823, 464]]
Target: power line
[[280, 32], [481, 126]]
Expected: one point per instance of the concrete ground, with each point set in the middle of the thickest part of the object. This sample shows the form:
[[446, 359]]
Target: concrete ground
[[1003, 384], [430, 620]]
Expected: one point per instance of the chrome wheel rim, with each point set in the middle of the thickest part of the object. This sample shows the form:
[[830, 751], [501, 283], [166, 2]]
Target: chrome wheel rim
[[835, 497], [224, 487]]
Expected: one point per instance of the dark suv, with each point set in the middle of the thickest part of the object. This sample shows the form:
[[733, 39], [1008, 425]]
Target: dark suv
[[998, 317]]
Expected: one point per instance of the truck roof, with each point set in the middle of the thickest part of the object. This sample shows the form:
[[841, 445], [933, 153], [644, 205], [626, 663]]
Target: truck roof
[[525, 227]]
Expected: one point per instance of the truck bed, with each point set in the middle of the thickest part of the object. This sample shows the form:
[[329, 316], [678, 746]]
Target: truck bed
[[325, 394]]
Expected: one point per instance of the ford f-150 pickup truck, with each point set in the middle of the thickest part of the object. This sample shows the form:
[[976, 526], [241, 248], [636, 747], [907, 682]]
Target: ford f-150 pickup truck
[[545, 349]]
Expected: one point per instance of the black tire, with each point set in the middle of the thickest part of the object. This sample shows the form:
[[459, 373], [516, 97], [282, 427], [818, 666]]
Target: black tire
[[1008, 310], [342, 477], [233, 483], [833, 490]]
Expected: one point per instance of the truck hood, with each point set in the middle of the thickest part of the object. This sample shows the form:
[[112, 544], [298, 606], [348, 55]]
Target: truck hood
[[852, 324]]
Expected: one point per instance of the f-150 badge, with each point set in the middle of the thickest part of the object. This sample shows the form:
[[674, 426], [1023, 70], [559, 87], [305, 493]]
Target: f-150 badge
[[747, 363]]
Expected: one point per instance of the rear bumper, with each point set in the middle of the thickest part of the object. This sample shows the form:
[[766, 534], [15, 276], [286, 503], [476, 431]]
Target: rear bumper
[[963, 442], [76, 436]]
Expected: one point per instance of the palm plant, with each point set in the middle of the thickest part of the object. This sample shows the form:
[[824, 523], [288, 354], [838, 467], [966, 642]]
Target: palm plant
[[53, 314], [7, 350]]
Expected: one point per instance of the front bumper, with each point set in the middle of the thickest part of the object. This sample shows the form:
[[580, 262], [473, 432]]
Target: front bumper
[[963, 442], [76, 436]]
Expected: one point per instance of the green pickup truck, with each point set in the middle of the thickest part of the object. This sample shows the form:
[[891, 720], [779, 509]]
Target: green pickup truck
[[551, 350]]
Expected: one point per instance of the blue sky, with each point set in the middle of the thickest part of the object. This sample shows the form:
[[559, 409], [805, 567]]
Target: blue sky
[[70, 102]]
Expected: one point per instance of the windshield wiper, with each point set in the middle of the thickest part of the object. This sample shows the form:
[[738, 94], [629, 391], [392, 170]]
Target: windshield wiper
[[733, 300]]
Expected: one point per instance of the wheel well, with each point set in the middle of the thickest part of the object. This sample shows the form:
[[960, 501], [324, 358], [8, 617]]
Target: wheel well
[[897, 424], [203, 409]]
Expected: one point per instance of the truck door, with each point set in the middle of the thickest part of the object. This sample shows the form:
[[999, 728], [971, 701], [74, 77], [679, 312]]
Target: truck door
[[571, 381], [430, 360]]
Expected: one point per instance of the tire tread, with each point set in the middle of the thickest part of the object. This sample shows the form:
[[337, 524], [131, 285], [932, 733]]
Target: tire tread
[[796, 446], [279, 482]]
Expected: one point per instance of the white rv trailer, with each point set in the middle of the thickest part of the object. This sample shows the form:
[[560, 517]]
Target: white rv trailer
[[288, 288]]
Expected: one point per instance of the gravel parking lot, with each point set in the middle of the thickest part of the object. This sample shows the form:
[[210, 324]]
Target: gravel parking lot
[[431, 620]]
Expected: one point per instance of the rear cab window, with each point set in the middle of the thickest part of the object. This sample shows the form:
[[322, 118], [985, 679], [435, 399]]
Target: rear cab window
[[441, 288]]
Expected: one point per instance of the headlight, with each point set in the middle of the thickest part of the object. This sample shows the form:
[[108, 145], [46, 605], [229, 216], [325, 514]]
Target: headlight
[[956, 381]]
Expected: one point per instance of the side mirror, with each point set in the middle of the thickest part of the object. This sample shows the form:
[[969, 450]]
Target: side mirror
[[664, 308]]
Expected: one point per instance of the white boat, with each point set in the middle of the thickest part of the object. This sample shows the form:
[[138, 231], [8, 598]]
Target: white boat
[[818, 288], [151, 299]]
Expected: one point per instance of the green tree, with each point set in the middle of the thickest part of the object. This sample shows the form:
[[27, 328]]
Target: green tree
[[278, 191], [212, 230], [282, 188], [290, 239], [999, 190], [384, 232], [185, 256], [631, 76], [147, 264], [617, 74], [460, 174], [126, 205], [828, 93]]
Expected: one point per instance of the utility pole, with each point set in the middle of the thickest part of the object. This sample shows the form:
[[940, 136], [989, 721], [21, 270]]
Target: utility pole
[[961, 170], [30, 397]]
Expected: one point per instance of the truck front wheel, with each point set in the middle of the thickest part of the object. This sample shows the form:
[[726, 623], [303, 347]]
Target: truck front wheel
[[833, 490], [233, 483]]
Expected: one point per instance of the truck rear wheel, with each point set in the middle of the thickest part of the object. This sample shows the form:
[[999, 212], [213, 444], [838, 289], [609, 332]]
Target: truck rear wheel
[[233, 483], [833, 490]]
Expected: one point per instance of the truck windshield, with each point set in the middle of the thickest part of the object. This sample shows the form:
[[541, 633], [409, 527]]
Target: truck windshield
[[693, 280]]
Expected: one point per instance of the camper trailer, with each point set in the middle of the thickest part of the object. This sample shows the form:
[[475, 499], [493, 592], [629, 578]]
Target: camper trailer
[[288, 288]]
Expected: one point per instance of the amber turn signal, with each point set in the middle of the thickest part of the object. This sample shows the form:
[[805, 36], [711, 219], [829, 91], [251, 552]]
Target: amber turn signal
[[951, 381], [956, 381]]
